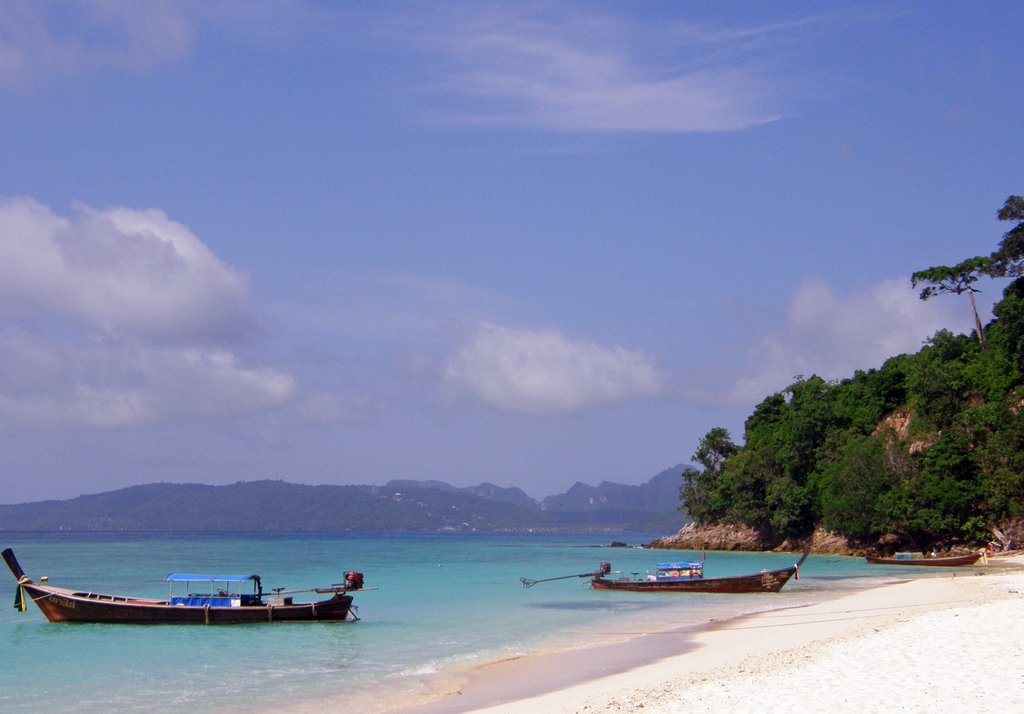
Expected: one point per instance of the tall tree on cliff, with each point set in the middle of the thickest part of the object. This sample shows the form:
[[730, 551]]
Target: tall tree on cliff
[[1006, 261], [956, 279]]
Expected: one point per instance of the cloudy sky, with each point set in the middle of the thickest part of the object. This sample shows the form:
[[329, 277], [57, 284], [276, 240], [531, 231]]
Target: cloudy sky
[[524, 243]]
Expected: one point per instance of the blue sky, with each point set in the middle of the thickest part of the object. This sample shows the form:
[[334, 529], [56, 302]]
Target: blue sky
[[524, 243]]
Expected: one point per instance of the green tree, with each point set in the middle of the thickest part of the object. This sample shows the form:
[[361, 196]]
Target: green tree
[[996, 431], [714, 448], [957, 280], [938, 381], [945, 490], [1008, 259], [1008, 327], [698, 492], [852, 484], [864, 400], [742, 488], [809, 418]]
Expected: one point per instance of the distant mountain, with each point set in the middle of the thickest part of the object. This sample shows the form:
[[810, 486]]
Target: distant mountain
[[659, 495], [399, 505], [398, 484], [268, 506], [489, 491]]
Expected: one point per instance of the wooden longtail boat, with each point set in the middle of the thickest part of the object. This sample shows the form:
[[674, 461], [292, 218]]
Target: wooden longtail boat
[[221, 604], [940, 562], [688, 577]]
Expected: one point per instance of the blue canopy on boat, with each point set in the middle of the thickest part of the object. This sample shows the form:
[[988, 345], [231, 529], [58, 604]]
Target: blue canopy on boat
[[201, 577], [678, 566]]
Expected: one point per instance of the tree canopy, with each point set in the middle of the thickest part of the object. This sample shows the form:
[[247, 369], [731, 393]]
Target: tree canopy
[[1008, 258], [957, 280]]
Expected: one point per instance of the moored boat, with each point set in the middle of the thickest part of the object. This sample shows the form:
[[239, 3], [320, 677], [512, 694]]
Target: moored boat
[[687, 577], [952, 561], [208, 599]]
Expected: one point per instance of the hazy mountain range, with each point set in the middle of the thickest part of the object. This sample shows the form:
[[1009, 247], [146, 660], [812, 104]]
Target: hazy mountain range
[[398, 505]]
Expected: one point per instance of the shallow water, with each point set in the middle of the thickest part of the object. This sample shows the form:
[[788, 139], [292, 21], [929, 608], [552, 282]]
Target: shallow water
[[442, 603]]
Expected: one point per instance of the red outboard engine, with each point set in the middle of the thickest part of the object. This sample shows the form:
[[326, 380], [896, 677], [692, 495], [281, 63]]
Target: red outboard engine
[[606, 568], [354, 580]]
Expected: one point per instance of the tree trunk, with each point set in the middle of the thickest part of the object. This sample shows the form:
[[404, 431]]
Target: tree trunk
[[977, 320]]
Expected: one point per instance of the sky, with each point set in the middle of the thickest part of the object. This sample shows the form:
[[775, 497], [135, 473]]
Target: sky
[[522, 243]]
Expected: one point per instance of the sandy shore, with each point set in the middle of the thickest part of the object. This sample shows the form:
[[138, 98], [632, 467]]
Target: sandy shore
[[940, 643]]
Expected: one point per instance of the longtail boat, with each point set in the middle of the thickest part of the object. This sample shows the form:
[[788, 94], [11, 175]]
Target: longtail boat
[[687, 577], [220, 601], [952, 561]]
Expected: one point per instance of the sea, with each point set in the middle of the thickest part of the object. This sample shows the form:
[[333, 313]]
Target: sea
[[434, 607]]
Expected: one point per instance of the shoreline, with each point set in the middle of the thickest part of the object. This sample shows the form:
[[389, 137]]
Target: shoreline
[[721, 662]]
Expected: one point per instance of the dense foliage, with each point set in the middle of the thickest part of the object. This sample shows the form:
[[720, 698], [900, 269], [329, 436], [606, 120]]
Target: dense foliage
[[925, 450]]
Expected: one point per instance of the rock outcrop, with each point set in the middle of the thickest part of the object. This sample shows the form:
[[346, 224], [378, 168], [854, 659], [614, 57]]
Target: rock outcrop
[[724, 536], [713, 537]]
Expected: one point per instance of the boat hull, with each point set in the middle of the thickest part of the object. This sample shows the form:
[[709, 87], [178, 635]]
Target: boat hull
[[67, 605], [60, 605], [952, 562], [768, 581]]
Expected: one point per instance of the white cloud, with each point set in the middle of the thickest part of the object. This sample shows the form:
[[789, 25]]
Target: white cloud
[[598, 74], [46, 382], [833, 336], [39, 40], [127, 271], [541, 371], [550, 68], [120, 318]]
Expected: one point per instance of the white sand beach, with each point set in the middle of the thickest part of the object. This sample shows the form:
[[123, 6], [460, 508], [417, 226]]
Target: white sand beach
[[950, 642]]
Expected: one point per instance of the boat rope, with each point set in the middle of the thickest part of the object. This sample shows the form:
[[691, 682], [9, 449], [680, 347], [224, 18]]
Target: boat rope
[[37, 599], [23, 581], [206, 614]]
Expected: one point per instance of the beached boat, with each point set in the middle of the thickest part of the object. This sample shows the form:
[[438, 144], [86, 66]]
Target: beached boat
[[952, 561], [687, 577], [208, 599]]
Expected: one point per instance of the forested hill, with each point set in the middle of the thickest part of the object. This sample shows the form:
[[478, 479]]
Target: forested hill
[[281, 506], [926, 450]]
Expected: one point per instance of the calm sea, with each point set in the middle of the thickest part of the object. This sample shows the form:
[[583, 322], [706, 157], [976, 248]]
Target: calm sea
[[442, 602]]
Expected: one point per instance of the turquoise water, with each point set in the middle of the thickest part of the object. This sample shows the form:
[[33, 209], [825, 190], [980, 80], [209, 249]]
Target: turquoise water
[[442, 602]]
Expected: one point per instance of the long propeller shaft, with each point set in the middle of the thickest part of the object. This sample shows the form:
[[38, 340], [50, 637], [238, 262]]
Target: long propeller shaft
[[528, 583]]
